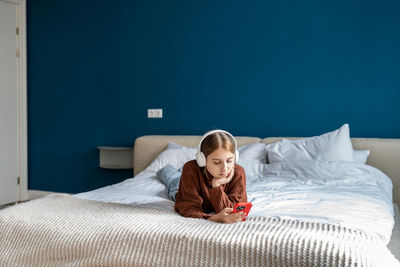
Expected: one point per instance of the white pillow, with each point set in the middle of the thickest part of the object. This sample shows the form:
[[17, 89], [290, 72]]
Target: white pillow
[[250, 166], [250, 157], [172, 145], [175, 157], [254, 151], [361, 156], [331, 146]]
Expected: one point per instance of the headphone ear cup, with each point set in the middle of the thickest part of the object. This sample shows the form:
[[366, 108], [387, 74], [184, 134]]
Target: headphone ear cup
[[201, 159]]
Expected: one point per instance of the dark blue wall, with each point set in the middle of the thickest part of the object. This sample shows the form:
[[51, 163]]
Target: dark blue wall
[[258, 68]]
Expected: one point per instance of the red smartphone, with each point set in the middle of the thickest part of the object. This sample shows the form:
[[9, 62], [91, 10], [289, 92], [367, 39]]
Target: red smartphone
[[242, 206]]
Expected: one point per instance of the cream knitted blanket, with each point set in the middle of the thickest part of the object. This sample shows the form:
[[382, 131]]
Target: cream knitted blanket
[[60, 230]]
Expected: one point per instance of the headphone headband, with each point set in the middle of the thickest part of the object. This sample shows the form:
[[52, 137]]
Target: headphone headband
[[200, 157]]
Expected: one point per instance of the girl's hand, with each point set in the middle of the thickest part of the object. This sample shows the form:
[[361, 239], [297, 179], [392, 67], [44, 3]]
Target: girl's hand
[[226, 216], [220, 181]]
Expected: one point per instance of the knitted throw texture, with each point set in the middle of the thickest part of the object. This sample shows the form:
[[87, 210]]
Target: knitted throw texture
[[60, 230]]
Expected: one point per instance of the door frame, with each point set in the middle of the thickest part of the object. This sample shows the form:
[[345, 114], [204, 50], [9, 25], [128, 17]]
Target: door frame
[[22, 98]]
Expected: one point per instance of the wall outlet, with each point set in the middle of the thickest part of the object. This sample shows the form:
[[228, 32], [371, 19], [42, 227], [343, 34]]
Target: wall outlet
[[154, 113]]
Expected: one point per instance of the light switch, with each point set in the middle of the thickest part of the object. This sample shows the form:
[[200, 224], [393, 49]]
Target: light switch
[[155, 113]]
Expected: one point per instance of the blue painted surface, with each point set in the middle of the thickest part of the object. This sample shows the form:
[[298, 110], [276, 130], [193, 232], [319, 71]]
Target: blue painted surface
[[257, 68]]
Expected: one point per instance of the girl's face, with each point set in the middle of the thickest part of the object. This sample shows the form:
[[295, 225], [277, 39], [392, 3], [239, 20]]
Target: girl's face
[[220, 163]]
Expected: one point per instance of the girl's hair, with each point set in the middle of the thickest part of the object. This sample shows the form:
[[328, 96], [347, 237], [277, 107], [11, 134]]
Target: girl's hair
[[215, 141]]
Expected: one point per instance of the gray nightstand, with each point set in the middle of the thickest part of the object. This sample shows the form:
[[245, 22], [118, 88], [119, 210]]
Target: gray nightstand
[[111, 157]]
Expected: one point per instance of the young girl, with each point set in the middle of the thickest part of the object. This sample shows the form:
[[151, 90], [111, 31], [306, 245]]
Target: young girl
[[212, 183]]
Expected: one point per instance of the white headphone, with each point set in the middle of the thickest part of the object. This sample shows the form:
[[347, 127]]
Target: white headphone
[[201, 158]]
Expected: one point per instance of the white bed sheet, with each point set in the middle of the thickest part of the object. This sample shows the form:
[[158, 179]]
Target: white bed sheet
[[349, 194], [394, 244]]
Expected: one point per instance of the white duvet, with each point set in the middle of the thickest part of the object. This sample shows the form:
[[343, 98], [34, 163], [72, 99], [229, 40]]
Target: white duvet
[[348, 194]]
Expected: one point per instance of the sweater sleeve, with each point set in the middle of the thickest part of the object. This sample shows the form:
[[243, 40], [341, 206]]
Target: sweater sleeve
[[189, 201], [228, 195]]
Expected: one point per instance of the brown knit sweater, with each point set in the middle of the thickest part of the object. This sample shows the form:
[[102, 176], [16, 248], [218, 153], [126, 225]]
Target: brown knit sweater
[[196, 197]]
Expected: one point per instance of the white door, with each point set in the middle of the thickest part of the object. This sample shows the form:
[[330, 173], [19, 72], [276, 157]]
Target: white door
[[9, 187]]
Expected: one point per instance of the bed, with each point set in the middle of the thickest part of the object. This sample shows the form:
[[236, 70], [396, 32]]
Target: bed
[[133, 223]]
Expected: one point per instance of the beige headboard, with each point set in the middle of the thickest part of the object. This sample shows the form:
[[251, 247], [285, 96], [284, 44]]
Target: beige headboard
[[385, 153]]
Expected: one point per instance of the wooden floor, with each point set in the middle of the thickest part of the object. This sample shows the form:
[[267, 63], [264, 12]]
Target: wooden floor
[[5, 206]]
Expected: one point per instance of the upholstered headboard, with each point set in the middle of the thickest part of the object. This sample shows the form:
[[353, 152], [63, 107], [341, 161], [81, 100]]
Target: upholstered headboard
[[385, 153]]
